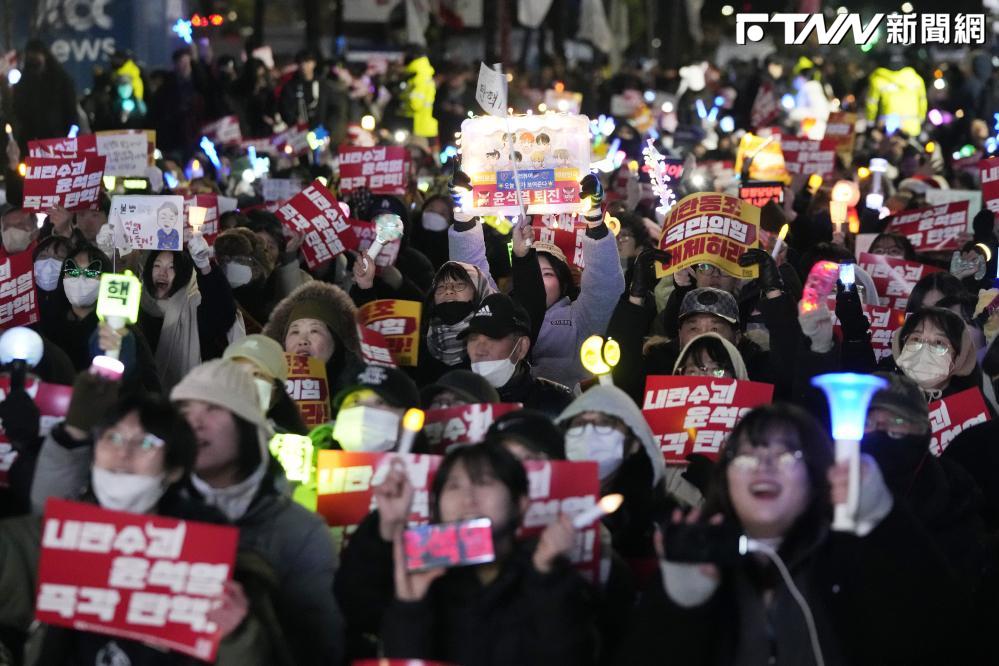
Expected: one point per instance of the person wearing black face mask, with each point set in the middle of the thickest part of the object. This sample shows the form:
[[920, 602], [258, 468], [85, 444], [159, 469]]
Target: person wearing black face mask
[[942, 496]]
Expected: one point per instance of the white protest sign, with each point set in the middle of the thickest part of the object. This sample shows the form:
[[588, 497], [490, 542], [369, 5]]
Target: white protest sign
[[935, 197], [144, 222], [280, 189], [127, 154], [490, 92]]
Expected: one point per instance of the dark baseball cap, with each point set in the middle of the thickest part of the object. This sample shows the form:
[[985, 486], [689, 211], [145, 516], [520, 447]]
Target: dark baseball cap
[[497, 317], [465, 384], [708, 300], [390, 384]]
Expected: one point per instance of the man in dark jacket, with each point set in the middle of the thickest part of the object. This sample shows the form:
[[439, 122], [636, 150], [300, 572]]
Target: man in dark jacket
[[313, 99], [498, 341], [44, 98]]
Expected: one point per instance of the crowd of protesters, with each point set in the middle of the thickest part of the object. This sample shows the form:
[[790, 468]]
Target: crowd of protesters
[[184, 433]]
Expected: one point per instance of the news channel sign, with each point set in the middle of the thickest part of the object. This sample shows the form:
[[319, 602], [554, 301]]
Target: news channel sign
[[84, 33], [904, 29]]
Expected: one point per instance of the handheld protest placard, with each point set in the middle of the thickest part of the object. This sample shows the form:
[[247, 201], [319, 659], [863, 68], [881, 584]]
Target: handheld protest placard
[[848, 394], [600, 357], [118, 301]]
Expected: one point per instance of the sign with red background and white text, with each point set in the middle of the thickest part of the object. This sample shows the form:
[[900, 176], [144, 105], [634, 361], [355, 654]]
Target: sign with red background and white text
[[71, 182], [694, 415], [988, 173], [953, 415], [894, 278], [136, 576], [805, 156], [884, 322], [308, 386], [934, 228], [18, 300], [464, 424], [381, 169], [399, 322], [314, 213]]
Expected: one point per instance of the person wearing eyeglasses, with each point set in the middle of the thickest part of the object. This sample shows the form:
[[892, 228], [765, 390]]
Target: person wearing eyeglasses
[[710, 355], [69, 319], [776, 483], [934, 348]]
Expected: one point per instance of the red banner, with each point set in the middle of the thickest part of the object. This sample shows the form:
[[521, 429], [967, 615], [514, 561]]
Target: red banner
[[381, 169], [63, 146], [374, 348], [52, 401], [759, 193], [807, 156], [399, 322], [314, 213], [988, 173], [210, 227], [465, 424], [953, 415], [695, 414], [73, 183], [344, 483], [570, 241], [224, 131], [308, 386], [884, 321], [934, 228], [894, 278], [136, 576], [18, 303]]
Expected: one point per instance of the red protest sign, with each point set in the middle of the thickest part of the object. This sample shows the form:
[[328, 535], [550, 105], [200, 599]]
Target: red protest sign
[[695, 414], [988, 173], [52, 401], [759, 193], [399, 322], [374, 349], [894, 278], [344, 483], [933, 228], [314, 213], [71, 182], [63, 146], [292, 141], [807, 156], [705, 227], [18, 303], [465, 424], [210, 227], [381, 169], [953, 415], [137, 576], [308, 386], [884, 322], [224, 131], [557, 487], [568, 237]]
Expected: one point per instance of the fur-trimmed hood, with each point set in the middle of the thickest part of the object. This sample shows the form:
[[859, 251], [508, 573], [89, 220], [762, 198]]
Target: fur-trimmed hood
[[341, 313]]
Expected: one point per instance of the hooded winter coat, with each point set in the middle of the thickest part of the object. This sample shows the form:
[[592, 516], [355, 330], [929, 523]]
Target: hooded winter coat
[[733, 354]]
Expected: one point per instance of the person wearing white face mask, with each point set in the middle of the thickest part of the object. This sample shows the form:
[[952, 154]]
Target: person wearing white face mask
[[69, 320], [370, 411], [18, 230], [49, 255], [498, 341], [604, 426], [934, 349]]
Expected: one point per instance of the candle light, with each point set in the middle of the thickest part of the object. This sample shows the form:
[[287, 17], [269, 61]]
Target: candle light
[[607, 505], [412, 423], [780, 241]]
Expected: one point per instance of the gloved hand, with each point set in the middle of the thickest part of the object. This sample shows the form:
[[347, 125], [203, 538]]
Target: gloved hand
[[817, 325], [850, 313], [458, 186], [591, 187], [769, 279], [198, 248], [92, 397], [643, 275], [105, 240], [19, 417]]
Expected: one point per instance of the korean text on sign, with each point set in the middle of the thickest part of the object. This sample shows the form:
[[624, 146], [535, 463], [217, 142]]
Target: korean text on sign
[[308, 387], [710, 228], [136, 576], [988, 172], [466, 424], [381, 169], [18, 305], [570, 241], [933, 228], [694, 415], [71, 182], [808, 157], [374, 348], [314, 213], [953, 415], [884, 321], [894, 278], [399, 322]]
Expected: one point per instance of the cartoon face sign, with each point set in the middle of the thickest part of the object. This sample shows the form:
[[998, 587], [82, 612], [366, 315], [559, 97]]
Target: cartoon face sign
[[543, 142], [537, 159], [166, 216], [492, 158], [561, 157]]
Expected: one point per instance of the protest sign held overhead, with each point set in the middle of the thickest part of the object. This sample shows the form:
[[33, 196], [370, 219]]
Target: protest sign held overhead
[[490, 91], [399, 322], [807, 157], [465, 424], [18, 300], [136, 576], [705, 227], [314, 213], [954, 414], [988, 173], [932, 229], [894, 278], [763, 157], [73, 183], [374, 348], [147, 222], [759, 193], [127, 153], [884, 321], [380, 169], [693, 415], [224, 131], [551, 153]]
